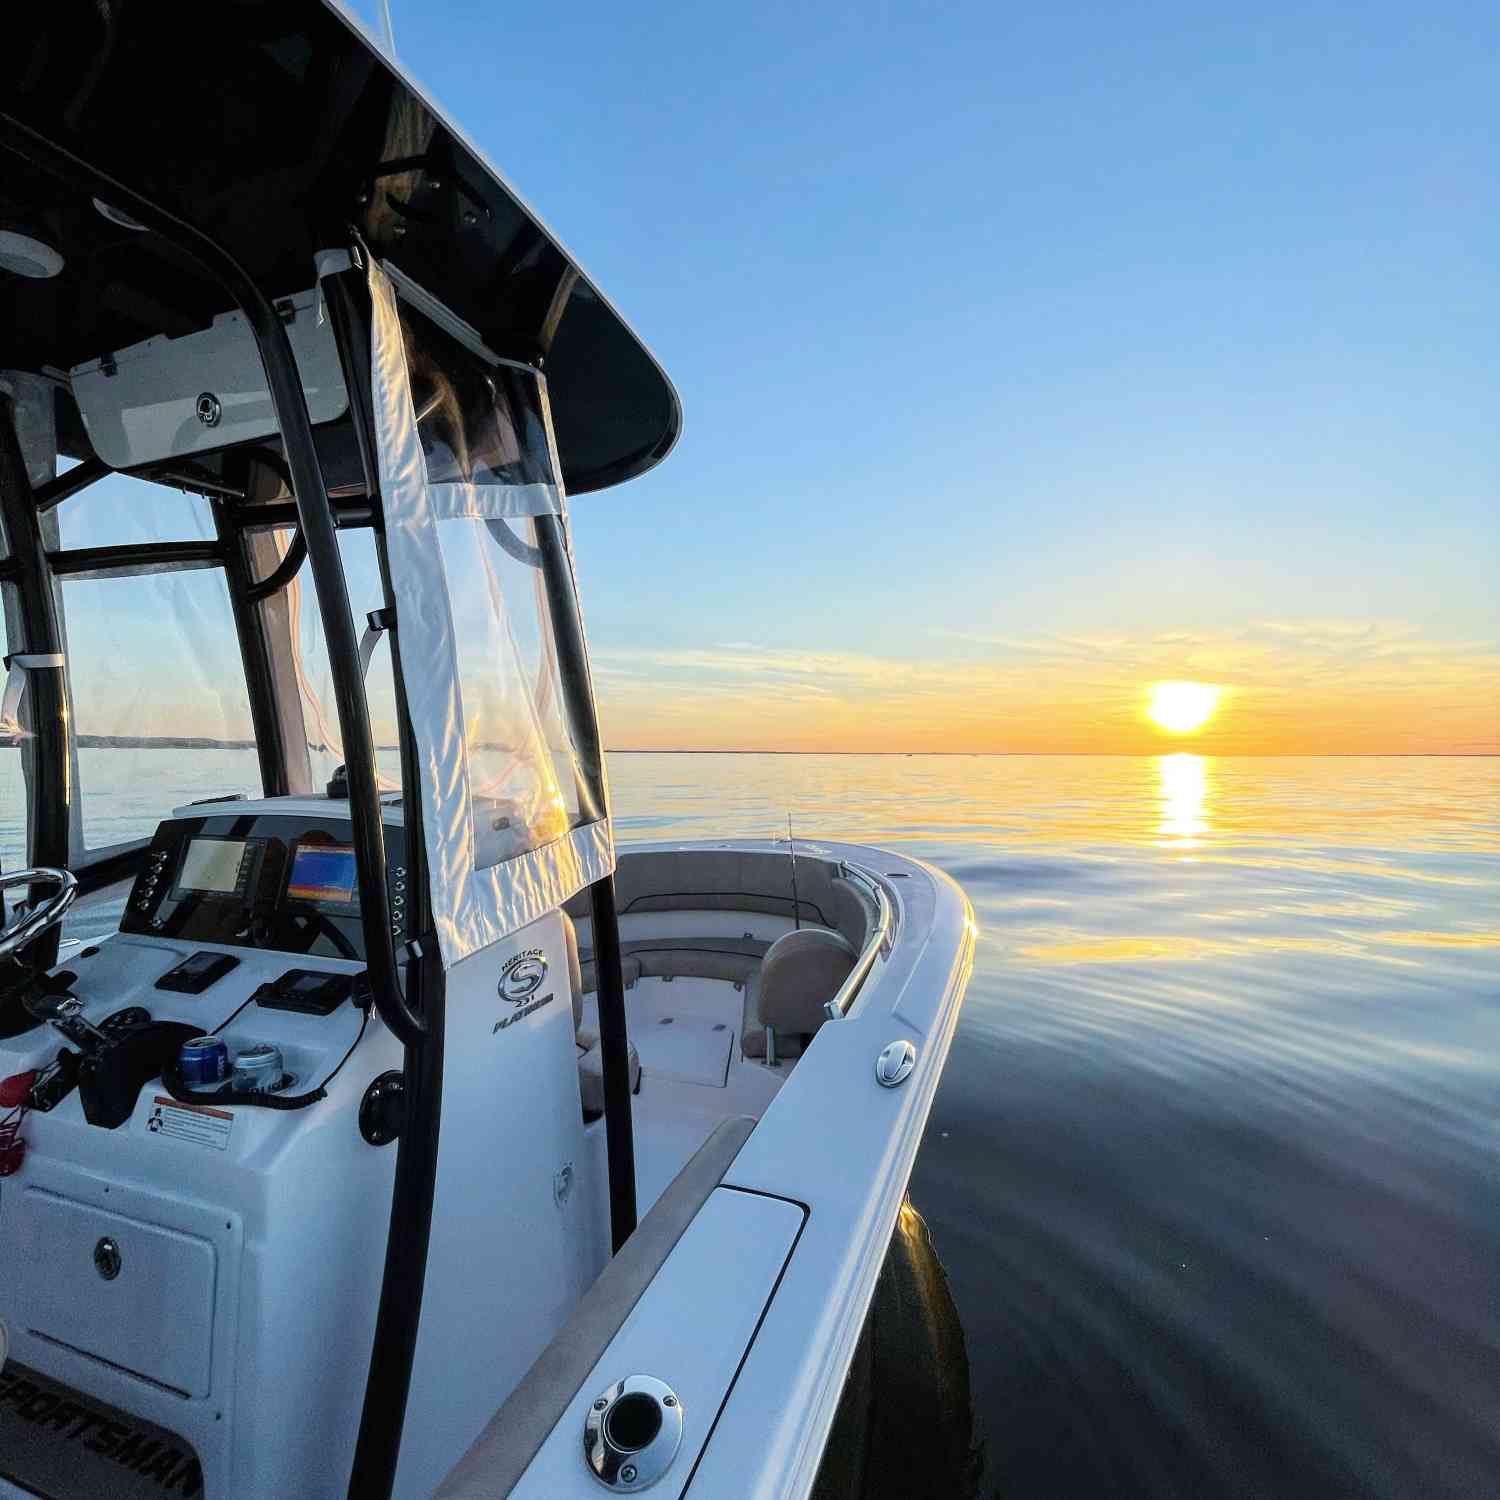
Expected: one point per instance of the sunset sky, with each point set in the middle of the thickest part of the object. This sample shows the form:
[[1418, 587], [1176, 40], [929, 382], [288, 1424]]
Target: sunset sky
[[1030, 354]]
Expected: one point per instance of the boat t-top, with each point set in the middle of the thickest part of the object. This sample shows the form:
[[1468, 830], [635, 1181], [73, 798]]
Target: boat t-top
[[390, 1131]]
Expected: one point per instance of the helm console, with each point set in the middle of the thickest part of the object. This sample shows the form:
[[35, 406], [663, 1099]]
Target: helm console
[[201, 1268]]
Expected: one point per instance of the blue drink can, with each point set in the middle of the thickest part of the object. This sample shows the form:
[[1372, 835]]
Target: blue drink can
[[204, 1060]]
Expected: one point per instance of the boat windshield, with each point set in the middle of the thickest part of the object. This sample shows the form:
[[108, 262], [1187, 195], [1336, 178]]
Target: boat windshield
[[155, 686]]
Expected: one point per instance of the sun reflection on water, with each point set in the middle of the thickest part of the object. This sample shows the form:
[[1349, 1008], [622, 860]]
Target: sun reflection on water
[[1184, 800]]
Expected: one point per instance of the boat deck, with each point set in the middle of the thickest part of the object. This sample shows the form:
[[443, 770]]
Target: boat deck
[[687, 1033]]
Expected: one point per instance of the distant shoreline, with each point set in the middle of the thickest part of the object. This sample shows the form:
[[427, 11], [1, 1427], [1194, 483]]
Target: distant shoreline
[[176, 742], [158, 742], [190, 742]]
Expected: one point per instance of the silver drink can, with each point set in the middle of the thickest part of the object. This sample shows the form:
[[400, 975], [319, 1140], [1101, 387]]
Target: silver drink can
[[257, 1069]]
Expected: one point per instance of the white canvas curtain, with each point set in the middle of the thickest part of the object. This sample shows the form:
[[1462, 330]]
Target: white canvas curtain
[[506, 829]]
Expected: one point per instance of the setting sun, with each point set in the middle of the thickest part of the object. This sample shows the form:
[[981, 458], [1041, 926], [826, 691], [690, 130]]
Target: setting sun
[[1182, 707]]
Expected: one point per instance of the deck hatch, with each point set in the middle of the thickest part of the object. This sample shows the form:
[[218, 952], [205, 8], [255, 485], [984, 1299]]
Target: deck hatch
[[718, 1281], [152, 1317]]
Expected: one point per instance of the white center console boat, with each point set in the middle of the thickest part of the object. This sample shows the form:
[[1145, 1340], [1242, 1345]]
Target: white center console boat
[[406, 1137]]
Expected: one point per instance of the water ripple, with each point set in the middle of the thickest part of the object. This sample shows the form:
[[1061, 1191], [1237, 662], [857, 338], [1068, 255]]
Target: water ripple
[[1213, 1164]]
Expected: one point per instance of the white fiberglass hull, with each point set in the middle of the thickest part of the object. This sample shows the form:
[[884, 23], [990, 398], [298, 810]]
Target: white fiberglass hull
[[768, 1194], [755, 1315]]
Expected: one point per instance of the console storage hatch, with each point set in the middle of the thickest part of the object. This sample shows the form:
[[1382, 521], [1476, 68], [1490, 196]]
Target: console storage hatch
[[137, 1295]]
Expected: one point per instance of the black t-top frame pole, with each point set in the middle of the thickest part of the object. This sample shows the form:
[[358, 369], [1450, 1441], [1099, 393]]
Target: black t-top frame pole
[[614, 1044], [398, 1319], [614, 1050], [51, 787]]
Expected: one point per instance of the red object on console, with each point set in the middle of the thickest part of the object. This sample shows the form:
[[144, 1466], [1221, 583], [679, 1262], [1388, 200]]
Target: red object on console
[[13, 1093], [13, 1090]]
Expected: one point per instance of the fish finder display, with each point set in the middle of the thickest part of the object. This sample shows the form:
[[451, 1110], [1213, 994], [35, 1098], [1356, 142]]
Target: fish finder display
[[322, 874], [247, 878], [214, 867]]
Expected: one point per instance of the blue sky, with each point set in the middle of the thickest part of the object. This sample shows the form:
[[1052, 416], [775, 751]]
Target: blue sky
[[1019, 324], [1029, 355]]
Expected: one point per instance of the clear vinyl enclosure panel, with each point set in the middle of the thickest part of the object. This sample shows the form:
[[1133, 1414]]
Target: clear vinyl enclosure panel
[[526, 782], [294, 625], [482, 429], [513, 803]]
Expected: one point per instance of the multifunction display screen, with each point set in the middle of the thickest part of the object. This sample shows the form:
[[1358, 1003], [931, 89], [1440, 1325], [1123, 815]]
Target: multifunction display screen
[[215, 867], [251, 878], [322, 875]]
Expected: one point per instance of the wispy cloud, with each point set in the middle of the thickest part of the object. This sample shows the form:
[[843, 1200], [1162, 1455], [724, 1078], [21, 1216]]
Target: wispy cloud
[[1293, 686]]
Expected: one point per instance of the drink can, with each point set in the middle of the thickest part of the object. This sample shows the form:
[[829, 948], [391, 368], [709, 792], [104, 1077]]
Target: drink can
[[204, 1060], [257, 1070]]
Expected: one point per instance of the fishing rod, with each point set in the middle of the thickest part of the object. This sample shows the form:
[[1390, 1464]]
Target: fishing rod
[[791, 846]]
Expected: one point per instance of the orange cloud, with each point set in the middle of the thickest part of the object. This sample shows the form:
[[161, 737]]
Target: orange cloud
[[1289, 687]]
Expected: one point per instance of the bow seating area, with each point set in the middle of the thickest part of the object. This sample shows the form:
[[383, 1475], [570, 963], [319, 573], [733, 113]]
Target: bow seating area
[[715, 947]]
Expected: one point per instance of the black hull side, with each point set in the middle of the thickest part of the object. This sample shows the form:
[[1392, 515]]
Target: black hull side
[[905, 1424]]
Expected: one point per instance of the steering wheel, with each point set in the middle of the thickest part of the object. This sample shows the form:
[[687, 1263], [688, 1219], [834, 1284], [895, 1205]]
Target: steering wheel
[[30, 924]]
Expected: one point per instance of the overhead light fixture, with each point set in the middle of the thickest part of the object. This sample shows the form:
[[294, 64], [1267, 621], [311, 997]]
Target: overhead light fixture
[[25, 255]]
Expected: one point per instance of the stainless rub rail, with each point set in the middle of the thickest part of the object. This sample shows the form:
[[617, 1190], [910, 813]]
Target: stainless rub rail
[[877, 940]]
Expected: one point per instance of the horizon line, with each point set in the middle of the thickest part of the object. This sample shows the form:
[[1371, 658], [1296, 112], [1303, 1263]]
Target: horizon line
[[1085, 754], [195, 742]]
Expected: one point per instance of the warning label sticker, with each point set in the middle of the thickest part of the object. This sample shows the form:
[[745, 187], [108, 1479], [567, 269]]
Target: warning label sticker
[[190, 1122]]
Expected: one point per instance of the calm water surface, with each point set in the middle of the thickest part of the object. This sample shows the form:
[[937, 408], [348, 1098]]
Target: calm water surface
[[1215, 1166], [1214, 1163]]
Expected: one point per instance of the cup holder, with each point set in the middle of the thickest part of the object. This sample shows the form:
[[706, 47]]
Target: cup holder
[[632, 1433], [632, 1422]]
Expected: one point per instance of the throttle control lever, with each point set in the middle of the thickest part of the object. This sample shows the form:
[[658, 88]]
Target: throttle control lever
[[53, 1002]]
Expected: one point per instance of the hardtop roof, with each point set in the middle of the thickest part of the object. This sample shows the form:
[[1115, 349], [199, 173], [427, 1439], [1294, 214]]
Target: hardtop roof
[[273, 126]]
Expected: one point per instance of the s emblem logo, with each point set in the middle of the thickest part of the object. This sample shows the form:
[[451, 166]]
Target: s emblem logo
[[520, 979], [522, 975]]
